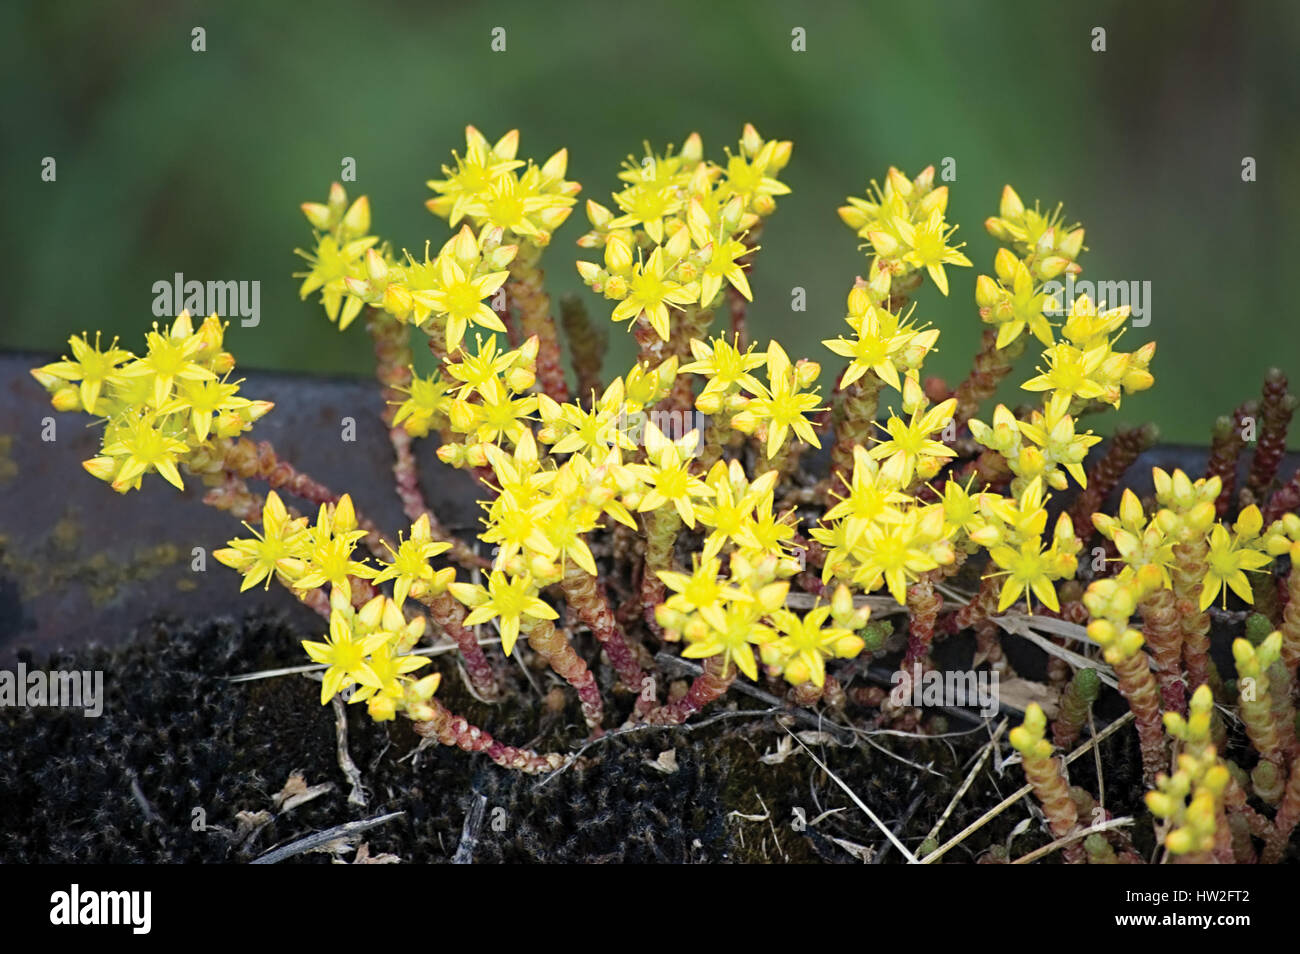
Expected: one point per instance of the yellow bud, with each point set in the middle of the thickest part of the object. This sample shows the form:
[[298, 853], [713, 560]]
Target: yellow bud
[[1160, 804], [1010, 206], [616, 287], [1005, 264], [520, 379], [709, 402], [357, 220], [376, 268], [846, 647], [102, 467], [987, 293], [884, 243], [67, 399], [797, 672], [696, 630], [618, 255], [318, 215], [1180, 841], [397, 300]]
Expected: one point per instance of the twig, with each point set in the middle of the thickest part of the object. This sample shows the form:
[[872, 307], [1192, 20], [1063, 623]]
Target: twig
[[911, 858], [1021, 628], [985, 752], [1020, 793], [643, 726], [357, 796], [879, 856], [469, 831], [1072, 837], [150, 813], [843, 733], [1101, 776], [322, 838], [318, 667]]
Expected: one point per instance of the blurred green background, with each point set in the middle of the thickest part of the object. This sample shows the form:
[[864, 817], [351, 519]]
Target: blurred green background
[[171, 160]]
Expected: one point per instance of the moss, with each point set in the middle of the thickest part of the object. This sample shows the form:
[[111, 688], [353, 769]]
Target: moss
[[190, 740]]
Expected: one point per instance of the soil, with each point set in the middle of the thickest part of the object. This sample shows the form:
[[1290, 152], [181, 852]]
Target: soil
[[178, 742]]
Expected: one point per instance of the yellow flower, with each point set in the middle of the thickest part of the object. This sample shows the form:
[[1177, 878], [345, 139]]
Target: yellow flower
[[170, 357], [881, 344], [729, 514], [274, 551], [930, 249], [647, 203], [1014, 303], [1053, 431], [1230, 555], [474, 173], [409, 568], [327, 551], [1073, 373], [668, 476], [530, 206], [144, 442], [751, 173], [91, 367], [734, 639], [897, 553], [1048, 246], [650, 291], [460, 296], [508, 599], [1027, 569], [427, 404], [725, 366], [781, 406], [701, 591], [570, 428], [391, 669], [720, 253], [909, 445], [872, 498], [345, 654], [806, 643], [332, 264]]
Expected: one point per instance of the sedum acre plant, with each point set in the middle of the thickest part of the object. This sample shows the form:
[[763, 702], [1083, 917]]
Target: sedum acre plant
[[670, 506]]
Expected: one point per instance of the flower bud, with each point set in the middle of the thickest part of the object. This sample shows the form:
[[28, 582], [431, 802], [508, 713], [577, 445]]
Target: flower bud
[[68, 399], [520, 379], [397, 300], [317, 214], [884, 243], [357, 220]]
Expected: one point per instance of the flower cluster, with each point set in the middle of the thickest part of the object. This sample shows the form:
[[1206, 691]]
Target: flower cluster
[[1083, 366], [367, 647], [494, 190], [159, 408], [903, 223], [682, 228]]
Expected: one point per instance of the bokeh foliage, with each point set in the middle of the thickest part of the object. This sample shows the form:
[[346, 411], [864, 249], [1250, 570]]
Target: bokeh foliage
[[171, 160]]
